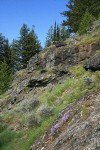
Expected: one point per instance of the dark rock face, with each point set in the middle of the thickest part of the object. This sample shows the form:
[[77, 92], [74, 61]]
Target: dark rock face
[[40, 82], [93, 63]]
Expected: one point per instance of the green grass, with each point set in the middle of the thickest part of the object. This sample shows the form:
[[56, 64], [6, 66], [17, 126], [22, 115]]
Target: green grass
[[7, 137], [78, 70], [50, 97]]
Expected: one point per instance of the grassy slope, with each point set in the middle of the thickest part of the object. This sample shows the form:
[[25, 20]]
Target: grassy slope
[[58, 98]]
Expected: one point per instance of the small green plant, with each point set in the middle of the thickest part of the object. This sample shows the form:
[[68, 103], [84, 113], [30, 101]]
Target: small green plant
[[85, 112]]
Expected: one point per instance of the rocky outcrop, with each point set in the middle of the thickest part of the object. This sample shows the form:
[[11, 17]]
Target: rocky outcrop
[[41, 81], [93, 63], [66, 55], [49, 66]]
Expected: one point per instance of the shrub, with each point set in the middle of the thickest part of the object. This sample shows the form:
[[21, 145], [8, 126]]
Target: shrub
[[31, 119], [28, 105], [45, 110]]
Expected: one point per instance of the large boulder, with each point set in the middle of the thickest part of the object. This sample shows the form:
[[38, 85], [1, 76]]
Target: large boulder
[[93, 63], [59, 43]]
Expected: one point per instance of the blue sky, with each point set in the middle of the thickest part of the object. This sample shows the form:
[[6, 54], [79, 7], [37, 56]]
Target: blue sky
[[41, 13]]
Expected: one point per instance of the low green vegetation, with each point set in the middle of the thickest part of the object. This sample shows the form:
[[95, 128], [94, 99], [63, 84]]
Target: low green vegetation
[[7, 137], [88, 37]]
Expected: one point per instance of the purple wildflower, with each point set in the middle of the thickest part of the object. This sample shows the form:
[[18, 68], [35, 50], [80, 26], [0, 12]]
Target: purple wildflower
[[55, 127], [65, 116], [63, 119]]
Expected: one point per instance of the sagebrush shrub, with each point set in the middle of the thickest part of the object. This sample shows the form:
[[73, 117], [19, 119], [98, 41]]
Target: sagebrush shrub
[[32, 119], [45, 110]]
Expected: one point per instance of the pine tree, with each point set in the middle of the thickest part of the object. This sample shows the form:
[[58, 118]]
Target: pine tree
[[24, 31], [55, 32], [15, 56], [2, 47], [86, 22], [33, 45], [7, 53], [49, 37], [58, 33], [64, 33], [5, 77], [29, 45], [75, 11]]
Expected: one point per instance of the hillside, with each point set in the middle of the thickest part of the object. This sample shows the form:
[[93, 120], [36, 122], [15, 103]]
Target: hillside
[[54, 103]]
